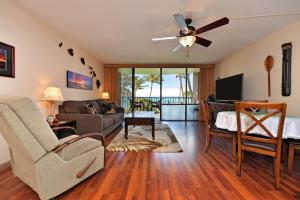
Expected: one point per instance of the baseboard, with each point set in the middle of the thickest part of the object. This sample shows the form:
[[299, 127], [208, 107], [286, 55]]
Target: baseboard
[[5, 167]]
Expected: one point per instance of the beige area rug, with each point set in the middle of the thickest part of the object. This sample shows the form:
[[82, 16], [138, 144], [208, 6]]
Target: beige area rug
[[140, 139]]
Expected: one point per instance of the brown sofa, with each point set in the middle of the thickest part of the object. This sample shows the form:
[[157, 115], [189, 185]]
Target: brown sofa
[[102, 121]]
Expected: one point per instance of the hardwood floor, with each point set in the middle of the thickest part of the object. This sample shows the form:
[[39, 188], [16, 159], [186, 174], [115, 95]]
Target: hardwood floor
[[192, 174]]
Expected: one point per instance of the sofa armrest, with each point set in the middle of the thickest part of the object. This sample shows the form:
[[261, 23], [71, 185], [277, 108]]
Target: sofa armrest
[[85, 123]]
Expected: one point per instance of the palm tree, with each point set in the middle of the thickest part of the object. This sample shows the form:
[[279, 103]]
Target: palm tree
[[126, 82], [139, 83], [153, 79], [181, 92], [190, 86]]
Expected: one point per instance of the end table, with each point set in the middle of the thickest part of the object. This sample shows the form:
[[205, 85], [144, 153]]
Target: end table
[[63, 128]]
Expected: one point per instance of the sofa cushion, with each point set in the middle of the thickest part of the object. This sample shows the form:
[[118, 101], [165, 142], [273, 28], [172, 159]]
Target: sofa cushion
[[107, 122], [116, 117], [96, 106], [89, 109], [77, 148], [75, 107], [104, 106], [100, 104]]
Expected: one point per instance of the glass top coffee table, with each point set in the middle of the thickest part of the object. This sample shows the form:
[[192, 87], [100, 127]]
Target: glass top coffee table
[[144, 121]]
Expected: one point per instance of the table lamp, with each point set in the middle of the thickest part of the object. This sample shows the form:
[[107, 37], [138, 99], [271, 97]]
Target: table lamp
[[105, 96], [52, 94]]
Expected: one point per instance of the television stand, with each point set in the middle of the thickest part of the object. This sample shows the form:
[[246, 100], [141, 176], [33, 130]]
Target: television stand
[[221, 106], [215, 107], [225, 101]]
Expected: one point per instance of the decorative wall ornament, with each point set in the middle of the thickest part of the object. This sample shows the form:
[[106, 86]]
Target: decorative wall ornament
[[93, 73], [7, 60], [98, 83], [71, 52], [82, 61], [269, 64], [286, 69]]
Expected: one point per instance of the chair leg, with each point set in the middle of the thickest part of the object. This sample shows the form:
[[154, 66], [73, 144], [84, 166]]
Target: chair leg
[[243, 154], [277, 172], [234, 147], [239, 161], [208, 141], [284, 152], [291, 158], [274, 166]]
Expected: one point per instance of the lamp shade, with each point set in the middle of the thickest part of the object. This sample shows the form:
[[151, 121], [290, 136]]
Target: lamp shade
[[105, 96], [187, 41], [52, 94]]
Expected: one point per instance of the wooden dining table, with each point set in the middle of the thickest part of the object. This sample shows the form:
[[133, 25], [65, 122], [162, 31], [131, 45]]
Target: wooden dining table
[[228, 120]]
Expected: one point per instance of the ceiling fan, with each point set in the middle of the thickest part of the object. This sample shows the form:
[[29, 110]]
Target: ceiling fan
[[188, 34]]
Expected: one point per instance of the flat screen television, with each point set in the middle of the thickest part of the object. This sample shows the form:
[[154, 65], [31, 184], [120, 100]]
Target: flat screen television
[[230, 88]]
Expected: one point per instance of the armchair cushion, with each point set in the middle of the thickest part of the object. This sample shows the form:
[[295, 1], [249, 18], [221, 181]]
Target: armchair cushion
[[18, 136], [29, 114], [77, 148]]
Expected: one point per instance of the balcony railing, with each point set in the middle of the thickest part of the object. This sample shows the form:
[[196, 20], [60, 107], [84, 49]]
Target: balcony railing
[[146, 101]]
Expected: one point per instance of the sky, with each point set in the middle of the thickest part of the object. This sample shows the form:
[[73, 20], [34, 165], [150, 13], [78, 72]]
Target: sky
[[171, 87]]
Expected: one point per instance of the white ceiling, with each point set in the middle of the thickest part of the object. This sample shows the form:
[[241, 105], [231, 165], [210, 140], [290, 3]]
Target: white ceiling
[[120, 31]]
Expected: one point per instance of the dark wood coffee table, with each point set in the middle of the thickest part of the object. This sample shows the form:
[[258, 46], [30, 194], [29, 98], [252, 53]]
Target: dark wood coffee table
[[146, 121]]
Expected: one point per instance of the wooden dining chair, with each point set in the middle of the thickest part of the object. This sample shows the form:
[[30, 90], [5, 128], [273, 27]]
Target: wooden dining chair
[[255, 101], [212, 130], [270, 144], [292, 146]]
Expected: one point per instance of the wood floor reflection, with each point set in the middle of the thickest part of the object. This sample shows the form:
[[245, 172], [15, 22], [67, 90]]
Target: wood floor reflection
[[192, 174]]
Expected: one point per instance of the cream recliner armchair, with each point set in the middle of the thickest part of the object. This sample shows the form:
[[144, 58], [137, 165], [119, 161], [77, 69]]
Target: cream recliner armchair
[[48, 165]]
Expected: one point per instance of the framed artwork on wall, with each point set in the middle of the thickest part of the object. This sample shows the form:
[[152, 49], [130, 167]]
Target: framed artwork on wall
[[79, 81], [7, 60]]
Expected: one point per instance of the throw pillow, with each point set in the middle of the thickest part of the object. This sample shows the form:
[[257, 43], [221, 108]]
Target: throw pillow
[[107, 107], [89, 109]]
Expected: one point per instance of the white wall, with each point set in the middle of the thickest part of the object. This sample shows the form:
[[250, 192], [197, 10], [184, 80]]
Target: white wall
[[250, 61], [39, 61]]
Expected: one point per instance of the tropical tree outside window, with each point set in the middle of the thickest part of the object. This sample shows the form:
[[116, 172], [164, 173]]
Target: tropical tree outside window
[[152, 79], [139, 83]]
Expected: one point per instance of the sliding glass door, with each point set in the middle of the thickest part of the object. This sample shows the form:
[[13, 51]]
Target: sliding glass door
[[192, 89], [173, 98], [162, 93], [147, 92]]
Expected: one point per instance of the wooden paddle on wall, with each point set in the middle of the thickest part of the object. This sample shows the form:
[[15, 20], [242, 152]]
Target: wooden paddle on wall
[[269, 64]]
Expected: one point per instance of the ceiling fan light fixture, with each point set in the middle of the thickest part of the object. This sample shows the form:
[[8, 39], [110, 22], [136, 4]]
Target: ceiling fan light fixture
[[187, 41]]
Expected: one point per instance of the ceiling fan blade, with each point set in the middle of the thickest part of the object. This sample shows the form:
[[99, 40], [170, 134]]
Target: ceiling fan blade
[[212, 25], [202, 41], [180, 22], [164, 38], [177, 48]]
